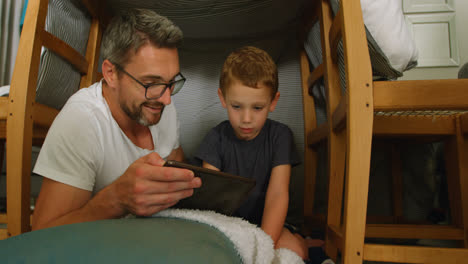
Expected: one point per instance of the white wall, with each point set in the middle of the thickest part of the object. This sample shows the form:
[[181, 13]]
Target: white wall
[[461, 24]]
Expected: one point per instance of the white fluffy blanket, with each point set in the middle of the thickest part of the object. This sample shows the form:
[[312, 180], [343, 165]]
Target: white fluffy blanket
[[253, 245]]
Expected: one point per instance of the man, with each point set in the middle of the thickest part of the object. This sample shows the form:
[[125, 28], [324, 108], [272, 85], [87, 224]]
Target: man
[[103, 155]]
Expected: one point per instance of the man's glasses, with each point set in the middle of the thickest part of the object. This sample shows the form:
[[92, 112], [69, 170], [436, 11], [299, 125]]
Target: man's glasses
[[156, 90]]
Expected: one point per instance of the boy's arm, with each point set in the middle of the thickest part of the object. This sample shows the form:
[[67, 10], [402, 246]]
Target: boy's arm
[[276, 201]]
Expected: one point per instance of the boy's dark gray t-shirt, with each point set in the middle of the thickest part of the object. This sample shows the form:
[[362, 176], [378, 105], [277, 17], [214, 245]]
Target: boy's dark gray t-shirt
[[256, 158]]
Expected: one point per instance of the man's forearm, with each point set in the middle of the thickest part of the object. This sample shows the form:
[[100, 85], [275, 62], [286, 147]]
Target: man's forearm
[[101, 206]]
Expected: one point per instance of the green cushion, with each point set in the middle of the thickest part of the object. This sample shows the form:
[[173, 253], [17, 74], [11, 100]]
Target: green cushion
[[141, 240]]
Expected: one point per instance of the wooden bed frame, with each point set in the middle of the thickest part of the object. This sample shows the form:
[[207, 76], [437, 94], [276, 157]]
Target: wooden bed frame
[[23, 121], [349, 133]]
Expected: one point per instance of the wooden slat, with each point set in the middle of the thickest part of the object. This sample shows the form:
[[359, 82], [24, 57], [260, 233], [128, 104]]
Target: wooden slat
[[461, 185], [317, 135], [335, 34], [336, 141], [414, 125], [92, 54], [359, 125], [452, 171], [310, 124], [414, 254], [3, 107], [335, 236], [464, 123], [43, 115], [401, 124], [39, 133], [314, 77], [3, 219], [414, 231], [19, 130], [3, 234], [339, 116], [65, 51], [421, 95]]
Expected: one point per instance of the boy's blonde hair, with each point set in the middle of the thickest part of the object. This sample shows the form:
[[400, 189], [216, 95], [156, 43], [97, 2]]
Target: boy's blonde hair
[[251, 66]]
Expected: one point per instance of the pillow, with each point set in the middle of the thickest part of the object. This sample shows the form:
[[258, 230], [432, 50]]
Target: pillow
[[385, 21], [141, 240], [391, 47]]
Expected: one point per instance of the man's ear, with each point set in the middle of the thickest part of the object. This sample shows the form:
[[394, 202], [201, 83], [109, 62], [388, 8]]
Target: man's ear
[[274, 102], [109, 72], [221, 98]]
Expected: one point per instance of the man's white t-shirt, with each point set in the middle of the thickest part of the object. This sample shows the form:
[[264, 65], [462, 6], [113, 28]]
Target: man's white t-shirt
[[86, 148]]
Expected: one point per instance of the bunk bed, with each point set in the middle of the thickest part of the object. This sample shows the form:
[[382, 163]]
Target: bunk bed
[[359, 102], [341, 111]]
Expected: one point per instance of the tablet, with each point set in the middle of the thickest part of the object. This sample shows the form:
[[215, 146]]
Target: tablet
[[220, 192]]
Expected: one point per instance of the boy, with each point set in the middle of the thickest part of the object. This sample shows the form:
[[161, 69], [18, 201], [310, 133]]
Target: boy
[[251, 145]]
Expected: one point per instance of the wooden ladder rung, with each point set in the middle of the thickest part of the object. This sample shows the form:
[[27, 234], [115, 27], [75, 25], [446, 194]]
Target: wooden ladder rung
[[414, 231], [414, 254], [314, 77], [335, 236], [317, 135]]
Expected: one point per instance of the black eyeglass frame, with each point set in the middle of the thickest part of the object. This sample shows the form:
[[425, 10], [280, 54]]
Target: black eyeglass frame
[[169, 85]]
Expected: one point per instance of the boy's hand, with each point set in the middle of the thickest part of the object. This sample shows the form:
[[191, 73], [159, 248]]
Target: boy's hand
[[147, 188]]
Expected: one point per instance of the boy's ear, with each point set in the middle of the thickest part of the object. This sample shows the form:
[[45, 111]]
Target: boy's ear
[[221, 98], [109, 72], [274, 101]]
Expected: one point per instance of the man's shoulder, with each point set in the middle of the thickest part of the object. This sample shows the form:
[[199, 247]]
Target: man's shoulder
[[91, 93], [83, 109], [86, 100]]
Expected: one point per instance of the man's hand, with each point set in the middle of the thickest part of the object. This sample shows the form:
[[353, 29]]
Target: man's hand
[[147, 188], [144, 189]]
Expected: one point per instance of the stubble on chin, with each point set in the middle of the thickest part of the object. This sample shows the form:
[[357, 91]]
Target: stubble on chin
[[139, 117]]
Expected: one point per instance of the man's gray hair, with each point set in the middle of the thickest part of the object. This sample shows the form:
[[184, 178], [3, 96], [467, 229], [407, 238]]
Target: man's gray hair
[[130, 29]]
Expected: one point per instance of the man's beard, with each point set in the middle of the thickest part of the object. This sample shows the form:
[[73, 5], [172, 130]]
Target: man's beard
[[138, 116]]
